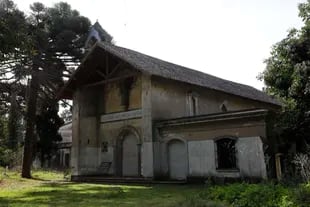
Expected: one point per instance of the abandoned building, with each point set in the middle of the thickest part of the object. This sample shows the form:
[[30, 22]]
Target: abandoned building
[[139, 116]]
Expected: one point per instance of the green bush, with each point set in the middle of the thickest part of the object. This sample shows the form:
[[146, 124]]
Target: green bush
[[9, 157], [302, 195], [250, 195]]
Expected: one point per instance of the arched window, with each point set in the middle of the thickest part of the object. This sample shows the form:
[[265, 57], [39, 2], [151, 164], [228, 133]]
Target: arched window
[[226, 153], [223, 106]]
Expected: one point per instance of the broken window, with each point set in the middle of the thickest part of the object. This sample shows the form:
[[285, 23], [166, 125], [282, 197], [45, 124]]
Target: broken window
[[226, 153]]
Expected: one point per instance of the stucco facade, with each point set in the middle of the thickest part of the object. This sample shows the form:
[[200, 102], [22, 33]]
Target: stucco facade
[[137, 124]]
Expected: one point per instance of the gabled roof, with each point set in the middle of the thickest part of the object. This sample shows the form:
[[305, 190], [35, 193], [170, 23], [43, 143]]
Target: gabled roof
[[154, 66]]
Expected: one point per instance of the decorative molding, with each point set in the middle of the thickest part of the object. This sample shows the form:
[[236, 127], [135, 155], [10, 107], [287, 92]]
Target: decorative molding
[[121, 116]]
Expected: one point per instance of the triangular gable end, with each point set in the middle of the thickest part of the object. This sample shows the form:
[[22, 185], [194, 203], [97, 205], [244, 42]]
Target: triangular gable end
[[98, 67]]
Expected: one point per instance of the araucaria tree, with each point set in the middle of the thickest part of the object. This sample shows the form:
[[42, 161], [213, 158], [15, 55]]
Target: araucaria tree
[[55, 37], [287, 76]]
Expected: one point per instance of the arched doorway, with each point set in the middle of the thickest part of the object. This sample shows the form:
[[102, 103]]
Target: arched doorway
[[130, 155], [177, 160]]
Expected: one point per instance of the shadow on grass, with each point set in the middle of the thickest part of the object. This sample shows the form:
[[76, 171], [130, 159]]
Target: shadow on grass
[[77, 194]]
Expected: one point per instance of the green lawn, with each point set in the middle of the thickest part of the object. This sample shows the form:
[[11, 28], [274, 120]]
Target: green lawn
[[48, 189], [51, 189]]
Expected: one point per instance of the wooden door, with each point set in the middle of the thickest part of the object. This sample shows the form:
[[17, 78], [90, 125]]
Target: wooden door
[[177, 160]]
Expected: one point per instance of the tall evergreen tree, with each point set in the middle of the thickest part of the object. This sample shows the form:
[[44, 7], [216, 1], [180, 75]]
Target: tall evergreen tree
[[36, 53]]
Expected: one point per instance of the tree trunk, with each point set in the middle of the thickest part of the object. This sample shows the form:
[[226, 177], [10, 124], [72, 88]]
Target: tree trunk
[[30, 125]]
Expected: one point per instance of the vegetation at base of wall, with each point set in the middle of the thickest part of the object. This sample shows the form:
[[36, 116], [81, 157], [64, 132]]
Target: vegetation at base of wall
[[257, 195]]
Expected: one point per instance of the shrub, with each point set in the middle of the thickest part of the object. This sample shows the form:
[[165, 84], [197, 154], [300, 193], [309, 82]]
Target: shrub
[[9, 157], [302, 195], [302, 163], [250, 195]]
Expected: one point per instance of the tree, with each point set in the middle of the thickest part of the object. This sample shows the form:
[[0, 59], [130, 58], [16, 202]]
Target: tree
[[36, 53], [287, 76], [58, 34], [48, 124]]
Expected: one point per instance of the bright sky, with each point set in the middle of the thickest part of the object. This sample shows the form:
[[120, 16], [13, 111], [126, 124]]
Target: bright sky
[[226, 38]]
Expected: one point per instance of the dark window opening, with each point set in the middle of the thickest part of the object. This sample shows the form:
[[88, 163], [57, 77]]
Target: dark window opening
[[192, 101], [223, 108], [125, 87], [194, 105], [226, 153], [67, 160], [104, 147]]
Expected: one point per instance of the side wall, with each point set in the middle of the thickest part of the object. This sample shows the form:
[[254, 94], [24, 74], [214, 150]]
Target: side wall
[[199, 139], [170, 100]]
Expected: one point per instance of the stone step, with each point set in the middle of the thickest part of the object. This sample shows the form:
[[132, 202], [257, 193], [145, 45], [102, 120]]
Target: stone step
[[124, 180]]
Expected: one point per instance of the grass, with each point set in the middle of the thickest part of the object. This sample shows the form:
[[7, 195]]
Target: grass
[[49, 189]]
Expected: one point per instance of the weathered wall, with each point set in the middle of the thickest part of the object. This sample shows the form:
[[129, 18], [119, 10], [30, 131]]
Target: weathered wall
[[199, 139], [84, 132], [110, 97], [250, 127], [90, 105], [250, 159], [170, 100], [110, 132]]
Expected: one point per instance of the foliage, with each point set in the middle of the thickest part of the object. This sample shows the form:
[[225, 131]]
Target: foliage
[[48, 123], [257, 195], [302, 163], [10, 157], [3, 130], [66, 115], [287, 77], [17, 191], [302, 195], [195, 201], [13, 35]]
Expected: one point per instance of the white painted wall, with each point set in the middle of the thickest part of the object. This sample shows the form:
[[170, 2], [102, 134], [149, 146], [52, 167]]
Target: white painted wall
[[250, 156], [250, 159]]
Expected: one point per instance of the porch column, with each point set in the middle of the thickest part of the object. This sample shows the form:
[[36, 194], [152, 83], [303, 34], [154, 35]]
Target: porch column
[[147, 135]]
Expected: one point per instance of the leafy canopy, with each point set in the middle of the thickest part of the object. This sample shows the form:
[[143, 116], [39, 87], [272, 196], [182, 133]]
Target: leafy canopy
[[287, 76]]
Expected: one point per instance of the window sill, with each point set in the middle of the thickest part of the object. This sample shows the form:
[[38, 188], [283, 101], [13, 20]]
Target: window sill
[[228, 170]]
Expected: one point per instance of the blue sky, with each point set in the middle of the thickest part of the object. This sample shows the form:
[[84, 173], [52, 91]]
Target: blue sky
[[226, 38]]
